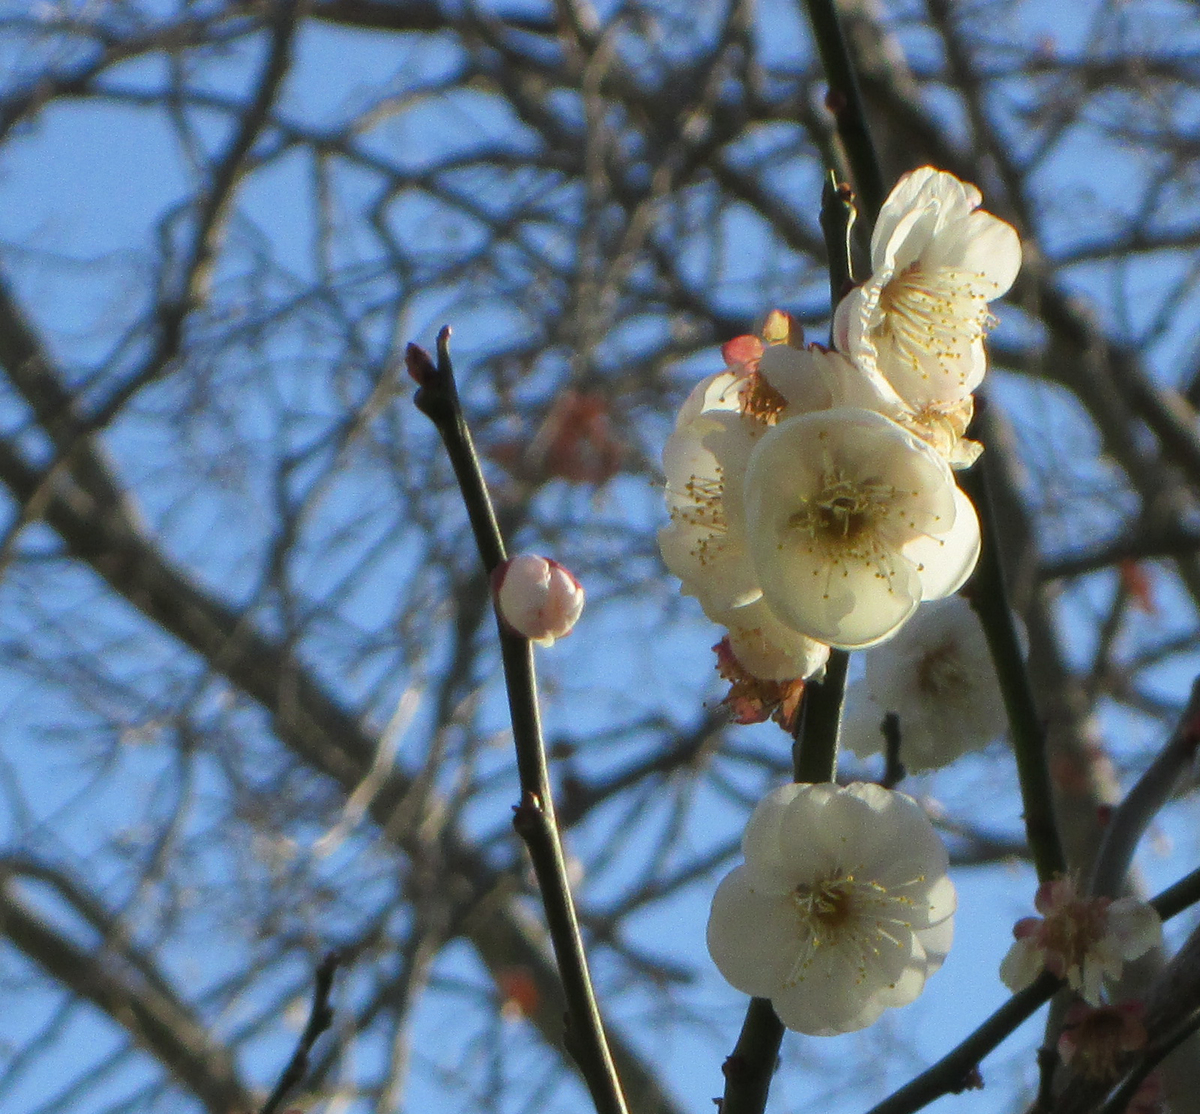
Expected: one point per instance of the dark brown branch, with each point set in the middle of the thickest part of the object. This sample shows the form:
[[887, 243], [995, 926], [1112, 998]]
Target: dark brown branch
[[320, 1017], [1144, 800], [437, 398], [410, 15]]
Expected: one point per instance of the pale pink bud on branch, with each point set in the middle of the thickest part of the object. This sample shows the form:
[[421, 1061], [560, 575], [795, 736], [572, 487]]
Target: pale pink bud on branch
[[537, 597]]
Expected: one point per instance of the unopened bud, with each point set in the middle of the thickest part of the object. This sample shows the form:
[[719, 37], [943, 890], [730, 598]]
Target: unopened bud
[[537, 597]]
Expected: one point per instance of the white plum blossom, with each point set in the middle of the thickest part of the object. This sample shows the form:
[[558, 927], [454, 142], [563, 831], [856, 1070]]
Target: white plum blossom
[[841, 910], [936, 676], [810, 492], [942, 425], [537, 597], [851, 521], [705, 461], [1084, 940], [921, 318]]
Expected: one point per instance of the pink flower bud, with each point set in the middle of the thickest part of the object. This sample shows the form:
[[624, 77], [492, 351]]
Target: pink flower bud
[[537, 597]]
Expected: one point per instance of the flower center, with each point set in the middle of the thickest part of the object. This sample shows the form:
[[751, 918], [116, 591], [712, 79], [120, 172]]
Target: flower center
[[845, 514], [842, 911], [760, 401], [940, 672], [826, 906], [1069, 933], [936, 313]]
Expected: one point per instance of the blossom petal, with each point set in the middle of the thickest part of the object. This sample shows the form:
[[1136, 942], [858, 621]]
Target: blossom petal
[[751, 935], [797, 374], [763, 840], [936, 941], [920, 190], [946, 560], [842, 991], [983, 246], [1021, 965], [766, 648], [1135, 926]]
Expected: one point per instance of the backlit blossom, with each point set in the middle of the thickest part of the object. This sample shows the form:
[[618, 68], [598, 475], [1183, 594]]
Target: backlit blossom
[[943, 425], [538, 598], [850, 522], [921, 318], [936, 675], [1081, 939], [705, 460], [841, 910]]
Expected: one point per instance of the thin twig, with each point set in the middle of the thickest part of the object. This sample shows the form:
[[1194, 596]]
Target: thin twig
[[838, 214], [320, 1017], [1141, 804], [1182, 895], [534, 820], [893, 769], [845, 102], [951, 1072], [988, 594], [1119, 1102]]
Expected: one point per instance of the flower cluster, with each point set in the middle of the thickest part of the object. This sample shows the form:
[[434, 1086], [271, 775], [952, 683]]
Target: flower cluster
[[811, 491], [813, 505], [841, 910]]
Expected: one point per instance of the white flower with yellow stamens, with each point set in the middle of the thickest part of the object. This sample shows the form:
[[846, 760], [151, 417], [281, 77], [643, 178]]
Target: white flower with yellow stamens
[[705, 461], [921, 318], [851, 521], [841, 910]]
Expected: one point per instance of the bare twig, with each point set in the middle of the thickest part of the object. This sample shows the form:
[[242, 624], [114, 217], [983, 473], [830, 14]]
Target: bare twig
[[320, 1017], [437, 398], [988, 594], [1141, 804], [153, 1015]]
